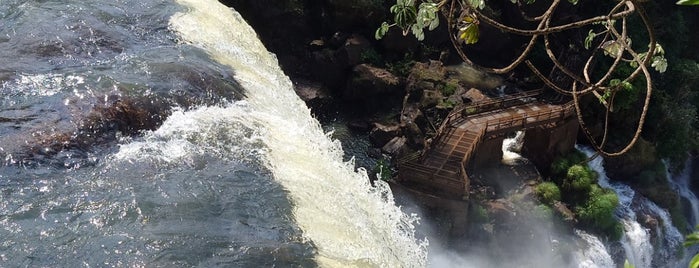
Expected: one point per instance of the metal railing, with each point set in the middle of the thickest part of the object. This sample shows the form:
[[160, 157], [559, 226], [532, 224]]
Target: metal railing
[[485, 106]]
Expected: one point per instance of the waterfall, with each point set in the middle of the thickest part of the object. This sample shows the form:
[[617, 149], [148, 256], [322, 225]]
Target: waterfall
[[349, 222], [595, 255], [511, 148], [681, 184], [637, 240]]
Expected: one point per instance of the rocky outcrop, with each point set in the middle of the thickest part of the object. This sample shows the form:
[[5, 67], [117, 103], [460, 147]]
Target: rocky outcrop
[[368, 81], [542, 145], [641, 156]]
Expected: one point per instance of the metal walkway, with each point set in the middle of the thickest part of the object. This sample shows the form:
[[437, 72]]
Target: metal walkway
[[441, 170]]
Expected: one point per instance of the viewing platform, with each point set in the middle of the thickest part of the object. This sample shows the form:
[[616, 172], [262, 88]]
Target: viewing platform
[[442, 169]]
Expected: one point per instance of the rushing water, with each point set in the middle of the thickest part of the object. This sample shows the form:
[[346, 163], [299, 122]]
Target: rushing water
[[637, 240], [681, 184], [224, 166]]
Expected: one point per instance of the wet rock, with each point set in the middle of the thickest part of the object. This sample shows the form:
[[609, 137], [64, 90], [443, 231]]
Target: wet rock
[[474, 96], [310, 91], [368, 81], [353, 49], [472, 77], [430, 98], [641, 156], [395, 147], [382, 134], [432, 72], [566, 214], [412, 113], [500, 210], [414, 134]]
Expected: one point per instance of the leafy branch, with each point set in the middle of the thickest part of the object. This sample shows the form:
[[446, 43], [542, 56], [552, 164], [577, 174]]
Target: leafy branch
[[464, 18]]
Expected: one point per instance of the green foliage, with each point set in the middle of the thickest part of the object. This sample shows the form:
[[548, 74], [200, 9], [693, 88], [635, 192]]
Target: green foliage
[[479, 214], [560, 165], [593, 205], [371, 56], [548, 192], [688, 2], [401, 67], [579, 179], [446, 104], [468, 30], [383, 170], [598, 211], [690, 240], [543, 212], [448, 89], [412, 19]]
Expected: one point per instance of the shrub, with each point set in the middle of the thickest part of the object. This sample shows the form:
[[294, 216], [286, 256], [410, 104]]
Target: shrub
[[383, 170], [598, 211], [561, 164], [548, 192], [579, 179]]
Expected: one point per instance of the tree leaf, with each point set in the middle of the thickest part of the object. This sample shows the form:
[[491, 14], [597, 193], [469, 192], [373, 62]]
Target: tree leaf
[[611, 48], [381, 31], [659, 63], [588, 40], [688, 2], [694, 263], [470, 34], [434, 24]]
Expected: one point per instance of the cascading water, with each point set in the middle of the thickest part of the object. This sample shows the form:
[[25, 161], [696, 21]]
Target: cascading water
[[595, 255], [680, 183], [253, 182], [637, 239]]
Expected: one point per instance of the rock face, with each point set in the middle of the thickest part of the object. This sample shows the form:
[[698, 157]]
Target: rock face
[[542, 145], [368, 81], [641, 156], [382, 134]]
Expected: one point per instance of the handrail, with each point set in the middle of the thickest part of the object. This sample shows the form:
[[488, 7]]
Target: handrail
[[488, 105]]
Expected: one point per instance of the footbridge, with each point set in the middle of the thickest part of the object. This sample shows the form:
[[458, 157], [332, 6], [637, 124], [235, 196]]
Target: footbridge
[[441, 169]]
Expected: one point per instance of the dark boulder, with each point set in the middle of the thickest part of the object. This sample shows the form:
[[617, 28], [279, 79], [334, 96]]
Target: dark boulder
[[368, 81]]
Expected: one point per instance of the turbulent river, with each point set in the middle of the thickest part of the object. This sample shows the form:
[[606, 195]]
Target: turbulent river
[[152, 133], [163, 134]]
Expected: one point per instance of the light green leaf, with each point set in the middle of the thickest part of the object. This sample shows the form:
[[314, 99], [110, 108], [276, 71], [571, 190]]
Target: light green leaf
[[588, 40], [381, 31], [694, 263], [688, 2], [659, 63], [470, 34], [434, 24], [480, 4]]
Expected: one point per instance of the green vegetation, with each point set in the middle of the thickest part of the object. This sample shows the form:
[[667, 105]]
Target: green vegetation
[[691, 240], [597, 212], [383, 170], [548, 192], [576, 184]]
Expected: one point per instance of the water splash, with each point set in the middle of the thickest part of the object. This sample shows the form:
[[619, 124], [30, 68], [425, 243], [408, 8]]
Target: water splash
[[349, 222], [595, 255]]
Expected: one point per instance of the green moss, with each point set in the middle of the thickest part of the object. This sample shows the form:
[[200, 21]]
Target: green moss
[[383, 170], [548, 192], [372, 57], [479, 214], [598, 212]]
